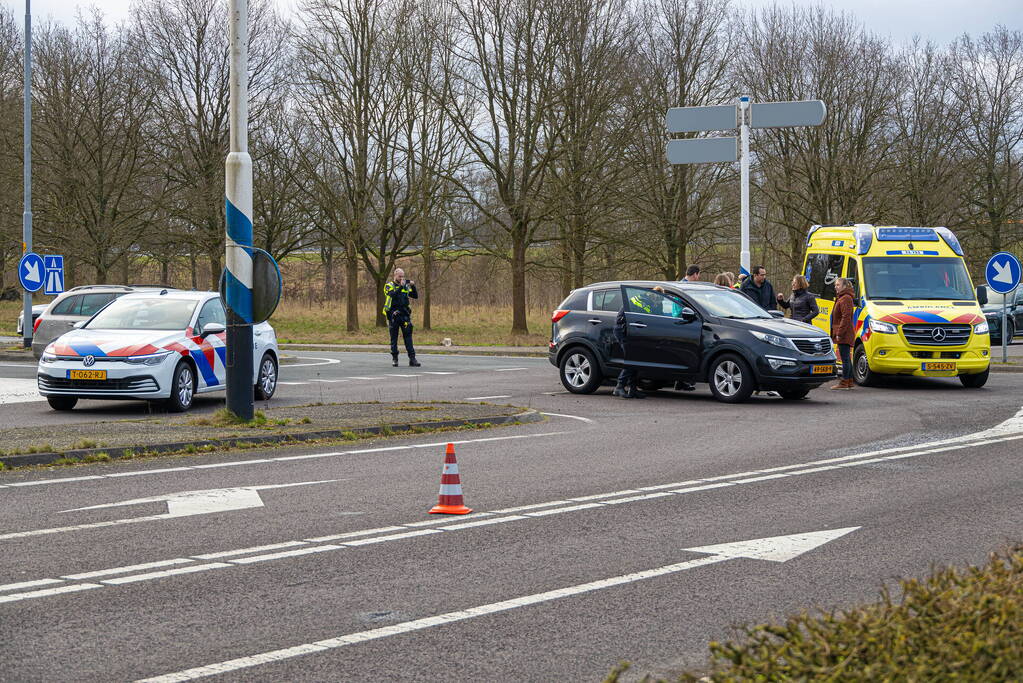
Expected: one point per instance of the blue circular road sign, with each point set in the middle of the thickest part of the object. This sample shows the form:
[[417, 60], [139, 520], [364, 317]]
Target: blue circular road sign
[[31, 272], [1003, 272]]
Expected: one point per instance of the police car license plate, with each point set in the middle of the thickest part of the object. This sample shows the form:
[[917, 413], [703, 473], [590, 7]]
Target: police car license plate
[[939, 367], [87, 374], [823, 370]]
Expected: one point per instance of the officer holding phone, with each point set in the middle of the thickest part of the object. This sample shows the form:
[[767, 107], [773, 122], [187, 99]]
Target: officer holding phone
[[398, 311]]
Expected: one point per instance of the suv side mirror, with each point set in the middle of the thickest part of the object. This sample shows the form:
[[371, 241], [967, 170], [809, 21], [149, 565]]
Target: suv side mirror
[[212, 328], [982, 294], [687, 315]]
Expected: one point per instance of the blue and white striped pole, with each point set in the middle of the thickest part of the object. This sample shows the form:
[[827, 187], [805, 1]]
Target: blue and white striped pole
[[238, 210]]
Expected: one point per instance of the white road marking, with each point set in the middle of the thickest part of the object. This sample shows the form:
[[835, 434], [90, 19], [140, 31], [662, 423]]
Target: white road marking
[[19, 391], [484, 398], [26, 366], [427, 372], [376, 377], [28, 584], [285, 553], [191, 569], [127, 570], [245, 551], [326, 361], [394, 374], [571, 417], [328, 381], [47, 592], [508, 369], [293, 384], [286, 458], [777, 549], [553, 393]]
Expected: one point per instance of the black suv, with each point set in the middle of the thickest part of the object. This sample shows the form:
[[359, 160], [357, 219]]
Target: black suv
[[689, 332]]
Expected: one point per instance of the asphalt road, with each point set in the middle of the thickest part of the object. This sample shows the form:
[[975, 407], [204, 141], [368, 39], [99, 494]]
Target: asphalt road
[[578, 555]]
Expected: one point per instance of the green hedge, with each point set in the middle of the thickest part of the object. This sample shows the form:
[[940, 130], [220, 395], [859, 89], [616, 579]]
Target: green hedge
[[963, 624]]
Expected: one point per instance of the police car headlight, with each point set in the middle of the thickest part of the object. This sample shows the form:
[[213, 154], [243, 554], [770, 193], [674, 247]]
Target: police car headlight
[[153, 359], [981, 328], [774, 339], [882, 327], [48, 358]]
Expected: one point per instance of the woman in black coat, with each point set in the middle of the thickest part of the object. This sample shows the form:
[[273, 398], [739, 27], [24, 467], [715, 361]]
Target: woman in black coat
[[803, 302]]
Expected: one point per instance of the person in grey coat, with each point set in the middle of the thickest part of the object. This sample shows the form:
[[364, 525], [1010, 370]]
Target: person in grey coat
[[803, 302]]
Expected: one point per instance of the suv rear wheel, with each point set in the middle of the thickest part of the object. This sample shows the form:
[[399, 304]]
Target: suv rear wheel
[[731, 379], [579, 371]]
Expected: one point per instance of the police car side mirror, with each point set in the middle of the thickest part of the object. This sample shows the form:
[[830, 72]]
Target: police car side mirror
[[213, 328], [80, 324], [982, 294]]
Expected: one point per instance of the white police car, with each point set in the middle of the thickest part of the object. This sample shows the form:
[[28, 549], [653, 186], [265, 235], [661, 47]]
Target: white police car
[[167, 345]]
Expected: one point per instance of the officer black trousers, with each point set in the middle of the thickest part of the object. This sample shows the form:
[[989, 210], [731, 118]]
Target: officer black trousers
[[406, 333]]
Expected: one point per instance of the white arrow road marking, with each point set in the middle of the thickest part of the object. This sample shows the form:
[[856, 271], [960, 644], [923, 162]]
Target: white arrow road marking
[[323, 361], [181, 504], [32, 272], [775, 549], [1003, 272]]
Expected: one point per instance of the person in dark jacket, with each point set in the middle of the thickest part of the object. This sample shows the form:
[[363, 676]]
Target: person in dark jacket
[[803, 302], [759, 289], [843, 330], [626, 387], [398, 312]]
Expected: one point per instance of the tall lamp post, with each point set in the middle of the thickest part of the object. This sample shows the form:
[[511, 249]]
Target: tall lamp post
[[238, 209], [26, 223]]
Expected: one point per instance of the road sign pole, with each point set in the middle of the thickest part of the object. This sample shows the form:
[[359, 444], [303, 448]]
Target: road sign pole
[[238, 209], [26, 308], [1005, 336], [744, 256]]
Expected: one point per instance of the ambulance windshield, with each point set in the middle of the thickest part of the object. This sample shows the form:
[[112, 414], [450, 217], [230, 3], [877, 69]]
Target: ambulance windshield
[[908, 277]]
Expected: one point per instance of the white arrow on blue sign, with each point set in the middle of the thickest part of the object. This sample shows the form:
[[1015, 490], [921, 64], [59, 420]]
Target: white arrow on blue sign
[[1003, 272], [30, 272], [54, 274]]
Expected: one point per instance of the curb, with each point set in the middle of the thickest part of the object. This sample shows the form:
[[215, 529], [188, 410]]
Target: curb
[[526, 417], [453, 351], [12, 356], [1007, 368]]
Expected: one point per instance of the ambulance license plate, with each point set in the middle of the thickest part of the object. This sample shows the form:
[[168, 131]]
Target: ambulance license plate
[[87, 374], [939, 367], [823, 370]]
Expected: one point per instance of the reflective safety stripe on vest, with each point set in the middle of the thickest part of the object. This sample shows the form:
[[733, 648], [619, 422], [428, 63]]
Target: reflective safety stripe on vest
[[640, 304]]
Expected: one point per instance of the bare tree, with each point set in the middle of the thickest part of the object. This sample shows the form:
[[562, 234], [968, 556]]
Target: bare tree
[[10, 143]]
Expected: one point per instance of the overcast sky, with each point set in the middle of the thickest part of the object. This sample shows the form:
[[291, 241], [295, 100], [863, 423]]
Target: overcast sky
[[938, 20]]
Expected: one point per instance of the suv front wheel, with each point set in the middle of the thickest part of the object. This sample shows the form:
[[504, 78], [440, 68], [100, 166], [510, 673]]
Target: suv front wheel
[[579, 371], [731, 379]]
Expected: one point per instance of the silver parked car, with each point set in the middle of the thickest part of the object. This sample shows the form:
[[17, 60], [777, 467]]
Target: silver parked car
[[74, 305], [37, 310]]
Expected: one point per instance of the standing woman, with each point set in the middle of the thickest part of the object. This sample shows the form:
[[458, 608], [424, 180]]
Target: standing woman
[[803, 302], [842, 331]]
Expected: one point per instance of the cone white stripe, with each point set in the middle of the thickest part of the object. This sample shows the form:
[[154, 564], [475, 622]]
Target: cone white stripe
[[450, 489]]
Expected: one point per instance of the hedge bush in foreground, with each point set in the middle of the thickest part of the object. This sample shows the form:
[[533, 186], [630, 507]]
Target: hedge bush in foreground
[[964, 624]]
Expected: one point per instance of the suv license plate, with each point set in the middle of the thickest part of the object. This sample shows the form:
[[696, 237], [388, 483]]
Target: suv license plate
[[939, 367], [823, 370], [87, 374]]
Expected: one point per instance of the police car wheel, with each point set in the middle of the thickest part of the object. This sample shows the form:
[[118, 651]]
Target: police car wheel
[[182, 388], [62, 402], [862, 373], [974, 381], [266, 383], [579, 371], [731, 380]]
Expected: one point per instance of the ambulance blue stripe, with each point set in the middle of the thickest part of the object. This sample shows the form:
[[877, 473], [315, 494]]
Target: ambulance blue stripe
[[87, 349], [208, 375], [927, 317]]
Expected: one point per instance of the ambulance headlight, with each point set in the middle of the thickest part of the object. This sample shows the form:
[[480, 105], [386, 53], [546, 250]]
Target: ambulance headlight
[[981, 328], [152, 359], [882, 327]]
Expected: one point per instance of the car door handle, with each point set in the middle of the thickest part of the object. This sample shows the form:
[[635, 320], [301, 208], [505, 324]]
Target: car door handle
[[595, 321], [637, 324]]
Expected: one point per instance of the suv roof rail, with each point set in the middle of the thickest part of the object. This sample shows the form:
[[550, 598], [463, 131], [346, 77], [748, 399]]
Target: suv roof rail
[[81, 287], [152, 286]]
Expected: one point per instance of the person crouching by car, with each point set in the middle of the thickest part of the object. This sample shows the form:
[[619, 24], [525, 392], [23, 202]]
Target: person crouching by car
[[842, 331], [802, 302]]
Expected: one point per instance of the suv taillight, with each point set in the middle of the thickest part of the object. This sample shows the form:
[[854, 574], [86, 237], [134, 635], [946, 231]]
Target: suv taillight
[[35, 326], [558, 315]]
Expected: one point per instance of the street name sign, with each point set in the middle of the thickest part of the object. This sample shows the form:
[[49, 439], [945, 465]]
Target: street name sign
[[702, 150], [30, 272], [787, 114], [697, 119]]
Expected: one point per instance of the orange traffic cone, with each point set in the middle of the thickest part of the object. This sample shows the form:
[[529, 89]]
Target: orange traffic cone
[[450, 499]]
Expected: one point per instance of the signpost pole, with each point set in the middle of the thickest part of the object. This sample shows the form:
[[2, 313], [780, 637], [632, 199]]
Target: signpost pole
[[238, 208], [26, 309], [1005, 336], [744, 256]]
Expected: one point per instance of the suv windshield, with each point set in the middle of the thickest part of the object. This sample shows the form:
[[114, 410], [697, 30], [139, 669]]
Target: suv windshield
[[144, 314], [725, 303], [917, 278]]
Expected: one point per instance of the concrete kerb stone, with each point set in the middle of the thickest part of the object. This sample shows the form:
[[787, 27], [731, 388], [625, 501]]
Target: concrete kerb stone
[[525, 417]]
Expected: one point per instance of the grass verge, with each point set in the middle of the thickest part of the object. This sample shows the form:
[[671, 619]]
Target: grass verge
[[956, 624]]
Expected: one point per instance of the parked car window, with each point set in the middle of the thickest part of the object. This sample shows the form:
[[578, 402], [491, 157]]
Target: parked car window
[[93, 302], [821, 272], [576, 301], [607, 299], [69, 306], [145, 314], [643, 300], [212, 312]]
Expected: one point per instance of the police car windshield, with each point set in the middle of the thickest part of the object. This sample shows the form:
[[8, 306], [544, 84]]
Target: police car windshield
[[725, 303], [144, 314], [909, 277]]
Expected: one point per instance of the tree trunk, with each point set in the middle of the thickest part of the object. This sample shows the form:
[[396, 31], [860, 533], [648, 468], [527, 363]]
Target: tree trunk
[[327, 257], [126, 269], [351, 287], [565, 248], [379, 279], [518, 267], [216, 268], [165, 272], [427, 287], [193, 271]]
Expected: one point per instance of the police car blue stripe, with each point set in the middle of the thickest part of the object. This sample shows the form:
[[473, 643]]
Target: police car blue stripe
[[205, 369], [87, 349]]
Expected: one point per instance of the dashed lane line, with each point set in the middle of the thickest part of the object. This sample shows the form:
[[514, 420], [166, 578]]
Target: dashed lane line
[[398, 532], [484, 398]]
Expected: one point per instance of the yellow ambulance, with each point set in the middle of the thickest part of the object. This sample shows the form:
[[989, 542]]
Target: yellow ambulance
[[916, 309]]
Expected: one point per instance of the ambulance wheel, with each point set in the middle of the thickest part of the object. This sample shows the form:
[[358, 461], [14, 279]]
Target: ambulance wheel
[[580, 373], [862, 373], [62, 402], [182, 388], [266, 383], [974, 381]]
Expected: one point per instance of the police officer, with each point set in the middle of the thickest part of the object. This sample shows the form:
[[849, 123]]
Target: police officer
[[626, 387], [398, 312]]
